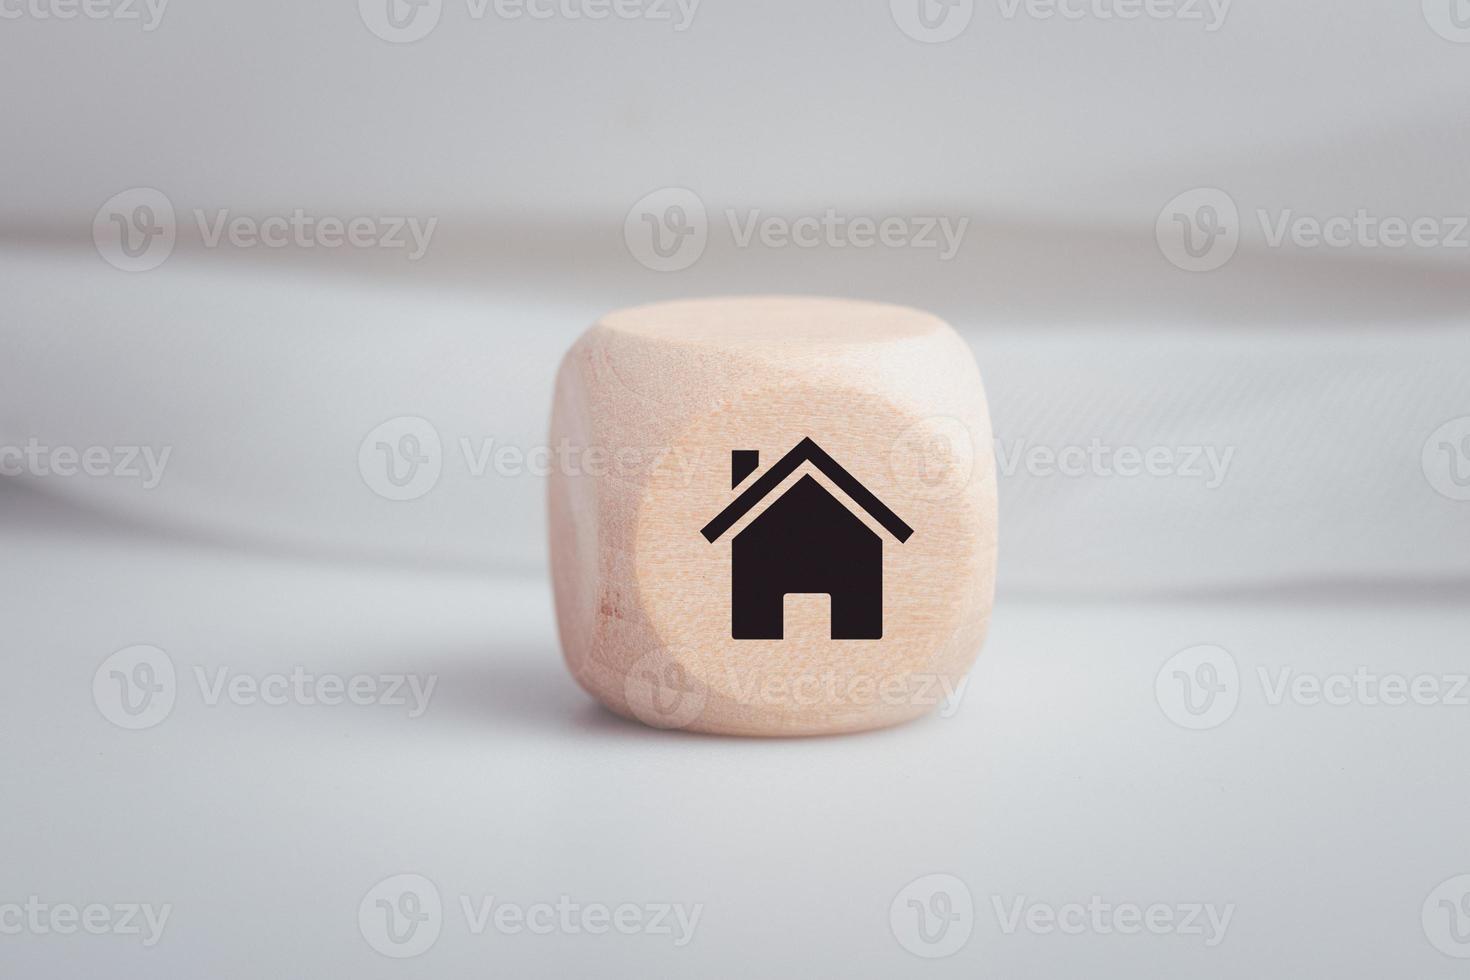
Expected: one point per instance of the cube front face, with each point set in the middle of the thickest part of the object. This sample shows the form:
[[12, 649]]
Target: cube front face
[[793, 535]]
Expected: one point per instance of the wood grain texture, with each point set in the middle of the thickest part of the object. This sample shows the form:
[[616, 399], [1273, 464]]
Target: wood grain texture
[[652, 401]]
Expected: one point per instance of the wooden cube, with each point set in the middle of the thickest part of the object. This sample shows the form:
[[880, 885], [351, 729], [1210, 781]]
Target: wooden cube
[[771, 515]]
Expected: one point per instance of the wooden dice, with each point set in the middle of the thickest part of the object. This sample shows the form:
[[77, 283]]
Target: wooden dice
[[772, 515]]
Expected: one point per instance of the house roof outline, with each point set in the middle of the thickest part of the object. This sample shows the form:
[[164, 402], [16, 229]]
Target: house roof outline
[[806, 451]]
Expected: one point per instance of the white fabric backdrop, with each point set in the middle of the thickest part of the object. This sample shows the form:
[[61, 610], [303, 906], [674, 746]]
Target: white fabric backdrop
[[527, 140], [1293, 452]]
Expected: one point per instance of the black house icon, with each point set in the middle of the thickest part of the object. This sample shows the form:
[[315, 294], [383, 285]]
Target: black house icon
[[806, 541]]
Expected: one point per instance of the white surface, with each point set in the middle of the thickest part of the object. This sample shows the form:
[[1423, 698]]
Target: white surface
[[1058, 778]]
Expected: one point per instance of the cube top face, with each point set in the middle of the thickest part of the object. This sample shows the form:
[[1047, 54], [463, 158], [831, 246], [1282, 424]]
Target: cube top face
[[800, 535], [766, 324]]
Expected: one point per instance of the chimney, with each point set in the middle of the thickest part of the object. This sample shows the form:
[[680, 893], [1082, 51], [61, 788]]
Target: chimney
[[743, 462]]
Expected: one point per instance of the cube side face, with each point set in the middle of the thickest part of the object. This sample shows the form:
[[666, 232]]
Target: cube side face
[[573, 523], [616, 403], [598, 426], [647, 606]]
